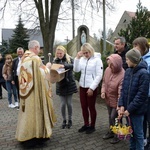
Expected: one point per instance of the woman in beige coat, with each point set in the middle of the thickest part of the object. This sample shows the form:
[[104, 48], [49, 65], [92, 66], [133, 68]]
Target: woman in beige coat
[[110, 91]]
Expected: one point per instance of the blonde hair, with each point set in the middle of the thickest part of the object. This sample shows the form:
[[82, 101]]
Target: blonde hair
[[7, 66], [87, 47], [60, 47], [9, 56]]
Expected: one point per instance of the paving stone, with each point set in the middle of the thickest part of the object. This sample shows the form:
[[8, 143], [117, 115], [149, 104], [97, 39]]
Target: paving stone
[[62, 139]]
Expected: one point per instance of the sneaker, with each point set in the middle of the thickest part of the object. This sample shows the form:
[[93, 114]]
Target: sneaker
[[90, 130], [69, 124], [114, 140], [11, 106], [108, 135], [83, 128], [147, 147], [145, 142], [63, 124], [16, 104]]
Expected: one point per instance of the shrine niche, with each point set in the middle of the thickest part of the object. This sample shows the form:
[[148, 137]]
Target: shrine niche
[[83, 35]]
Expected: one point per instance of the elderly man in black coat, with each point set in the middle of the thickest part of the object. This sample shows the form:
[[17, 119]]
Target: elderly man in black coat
[[20, 52]]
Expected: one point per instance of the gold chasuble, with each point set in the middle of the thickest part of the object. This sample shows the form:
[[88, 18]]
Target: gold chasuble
[[36, 114]]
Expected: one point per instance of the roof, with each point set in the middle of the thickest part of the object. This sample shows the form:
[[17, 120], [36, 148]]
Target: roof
[[131, 14], [122, 24]]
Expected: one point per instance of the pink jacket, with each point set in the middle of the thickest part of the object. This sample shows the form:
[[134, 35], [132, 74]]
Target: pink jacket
[[112, 81]]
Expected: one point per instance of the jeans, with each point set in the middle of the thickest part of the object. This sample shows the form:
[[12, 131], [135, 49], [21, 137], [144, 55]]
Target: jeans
[[66, 101], [11, 89], [136, 142], [146, 122]]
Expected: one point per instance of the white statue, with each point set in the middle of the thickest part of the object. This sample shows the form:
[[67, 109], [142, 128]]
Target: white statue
[[83, 37]]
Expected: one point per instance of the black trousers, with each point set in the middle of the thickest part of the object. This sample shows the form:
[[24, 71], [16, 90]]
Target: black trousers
[[17, 85], [2, 84]]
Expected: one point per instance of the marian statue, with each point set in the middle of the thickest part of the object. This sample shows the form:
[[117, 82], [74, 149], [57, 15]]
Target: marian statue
[[83, 37]]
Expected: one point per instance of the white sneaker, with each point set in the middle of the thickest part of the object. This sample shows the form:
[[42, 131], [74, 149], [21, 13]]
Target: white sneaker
[[11, 106], [16, 104], [145, 142]]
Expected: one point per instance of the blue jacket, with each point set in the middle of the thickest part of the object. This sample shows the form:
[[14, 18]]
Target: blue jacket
[[146, 57], [135, 89]]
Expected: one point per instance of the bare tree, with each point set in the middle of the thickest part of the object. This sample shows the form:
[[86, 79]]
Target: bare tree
[[48, 11], [44, 15]]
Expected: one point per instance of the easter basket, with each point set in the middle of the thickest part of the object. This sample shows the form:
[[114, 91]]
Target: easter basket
[[122, 130]]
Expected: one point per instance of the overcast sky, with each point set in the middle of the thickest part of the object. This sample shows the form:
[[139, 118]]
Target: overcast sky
[[124, 5], [112, 19], [93, 24]]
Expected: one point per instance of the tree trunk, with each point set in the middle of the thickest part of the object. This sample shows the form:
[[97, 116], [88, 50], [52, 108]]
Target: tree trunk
[[48, 22]]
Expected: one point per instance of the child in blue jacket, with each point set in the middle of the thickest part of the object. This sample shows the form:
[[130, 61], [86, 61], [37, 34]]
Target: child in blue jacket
[[134, 94]]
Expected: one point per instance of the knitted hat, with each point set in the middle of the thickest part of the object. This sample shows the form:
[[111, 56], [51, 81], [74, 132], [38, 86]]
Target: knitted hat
[[134, 56]]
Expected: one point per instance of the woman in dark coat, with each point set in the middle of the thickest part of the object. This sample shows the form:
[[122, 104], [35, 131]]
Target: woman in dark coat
[[66, 87]]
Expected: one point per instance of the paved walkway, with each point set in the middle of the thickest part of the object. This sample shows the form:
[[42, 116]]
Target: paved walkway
[[62, 139]]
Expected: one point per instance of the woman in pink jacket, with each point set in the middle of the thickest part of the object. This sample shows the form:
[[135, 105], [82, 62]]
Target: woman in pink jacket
[[110, 91]]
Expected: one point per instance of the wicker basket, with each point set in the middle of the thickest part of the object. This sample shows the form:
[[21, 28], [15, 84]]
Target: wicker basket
[[122, 130]]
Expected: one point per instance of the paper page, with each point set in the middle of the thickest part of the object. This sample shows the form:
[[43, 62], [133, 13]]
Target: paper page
[[60, 70]]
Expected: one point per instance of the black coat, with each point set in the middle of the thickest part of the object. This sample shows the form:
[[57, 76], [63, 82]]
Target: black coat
[[14, 67], [2, 61], [123, 56], [67, 86]]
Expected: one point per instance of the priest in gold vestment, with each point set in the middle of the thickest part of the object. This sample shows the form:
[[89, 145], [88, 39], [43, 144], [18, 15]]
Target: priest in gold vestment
[[36, 113]]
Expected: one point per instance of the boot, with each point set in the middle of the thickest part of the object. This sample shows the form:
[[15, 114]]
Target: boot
[[63, 124], [69, 124], [108, 135], [115, 140]]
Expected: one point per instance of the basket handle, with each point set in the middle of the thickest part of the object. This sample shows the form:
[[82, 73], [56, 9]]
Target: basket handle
[[128, 120]]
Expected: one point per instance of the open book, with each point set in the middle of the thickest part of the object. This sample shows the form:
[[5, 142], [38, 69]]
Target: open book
[[60, 70], [57, 73]]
